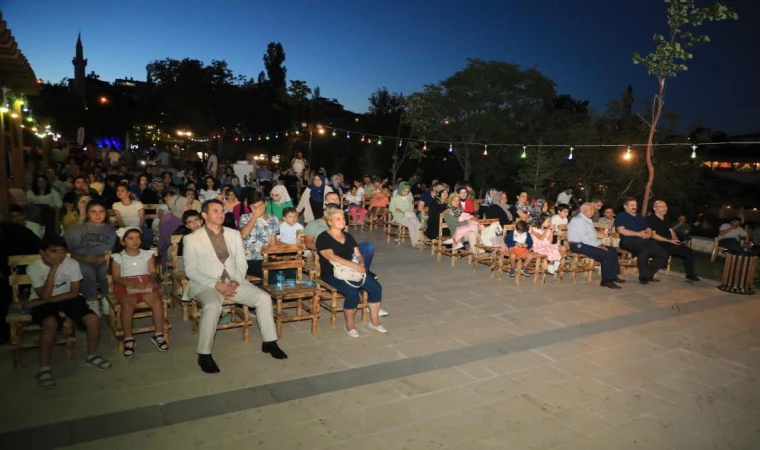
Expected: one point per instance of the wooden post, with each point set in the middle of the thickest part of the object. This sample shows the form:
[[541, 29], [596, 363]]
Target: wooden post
[[3, 171], [47, 147], [17, 147]]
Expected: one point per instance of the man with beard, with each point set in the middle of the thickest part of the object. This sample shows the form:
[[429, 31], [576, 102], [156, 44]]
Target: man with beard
[[636, 237]]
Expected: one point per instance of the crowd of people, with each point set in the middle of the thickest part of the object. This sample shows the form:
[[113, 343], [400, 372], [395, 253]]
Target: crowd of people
[[226, 224]]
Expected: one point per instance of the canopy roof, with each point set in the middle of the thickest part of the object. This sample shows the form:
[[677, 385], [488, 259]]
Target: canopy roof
[[15, 71]]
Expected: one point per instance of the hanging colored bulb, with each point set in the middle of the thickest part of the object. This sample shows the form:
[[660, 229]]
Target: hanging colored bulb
[[298, 132], [451, 148], [286, 134], [29, 119], [236, 139], [348, 135], [570, 156], [485, 150], [400, 141], [362, 138], [259, 137], [267, 137], [379, 141], [277, 136], [627, 155], [334, 133], [424, 146], [369, 140], [694, 151], [524, 154]]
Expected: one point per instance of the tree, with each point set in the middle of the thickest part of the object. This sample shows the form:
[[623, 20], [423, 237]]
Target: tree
[[487, 101], [274, 59], [668, 57]]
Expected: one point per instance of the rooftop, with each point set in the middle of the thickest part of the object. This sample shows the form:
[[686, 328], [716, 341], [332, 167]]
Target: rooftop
[[469, 362]]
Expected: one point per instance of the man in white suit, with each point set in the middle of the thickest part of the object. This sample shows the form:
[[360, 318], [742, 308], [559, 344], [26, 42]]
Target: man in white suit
[[216, 266]]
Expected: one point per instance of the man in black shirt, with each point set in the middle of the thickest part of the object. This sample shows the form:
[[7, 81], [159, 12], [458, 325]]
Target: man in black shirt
[[636, 237], [668, 240]]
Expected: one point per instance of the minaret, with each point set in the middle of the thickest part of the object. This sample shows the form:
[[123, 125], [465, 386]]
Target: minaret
[[79, 65]]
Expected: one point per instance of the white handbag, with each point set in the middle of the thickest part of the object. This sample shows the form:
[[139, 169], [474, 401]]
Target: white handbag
[[348, 274]]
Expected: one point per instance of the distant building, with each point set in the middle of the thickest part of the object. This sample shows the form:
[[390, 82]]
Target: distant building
[[80, 63]]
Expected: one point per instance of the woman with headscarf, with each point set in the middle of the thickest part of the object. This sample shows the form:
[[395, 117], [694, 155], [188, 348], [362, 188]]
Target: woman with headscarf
[[495, 207], [169, 224], [540, 207], [235, 183], [435, 209], [312, 201], [402, 210], [280, 199]]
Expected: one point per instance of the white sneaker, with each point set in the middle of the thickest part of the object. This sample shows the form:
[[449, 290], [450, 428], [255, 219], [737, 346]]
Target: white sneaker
[[458, 246], [353, 333], [383, 313], [448, 242], [379, 328], [550, 269]]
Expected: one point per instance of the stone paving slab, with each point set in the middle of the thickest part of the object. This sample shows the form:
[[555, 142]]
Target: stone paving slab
[[581, 363]]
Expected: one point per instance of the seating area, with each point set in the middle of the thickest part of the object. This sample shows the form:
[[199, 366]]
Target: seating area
[[462, 347]]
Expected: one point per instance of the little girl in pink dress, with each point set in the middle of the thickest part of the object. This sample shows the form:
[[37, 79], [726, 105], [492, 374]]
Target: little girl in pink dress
[[466, 226], [542, 243]]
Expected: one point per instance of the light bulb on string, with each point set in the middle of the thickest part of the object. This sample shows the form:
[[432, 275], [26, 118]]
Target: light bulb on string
[[400, 142], [259, 137], [276, 136], [267, 137], [451, 148], [379, 141], [298, 132], [524, 155], [485, 150], [570, 156], [286, 134], [334, 133], [694, 151], [348, 135], [627, 155], [362, 138], [424, 146]]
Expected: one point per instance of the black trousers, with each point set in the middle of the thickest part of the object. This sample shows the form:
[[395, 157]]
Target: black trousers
[[683, 252], [608, 259], [644, 250]]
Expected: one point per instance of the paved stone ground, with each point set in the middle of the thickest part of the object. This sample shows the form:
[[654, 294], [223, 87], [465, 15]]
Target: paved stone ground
[[470, 362]]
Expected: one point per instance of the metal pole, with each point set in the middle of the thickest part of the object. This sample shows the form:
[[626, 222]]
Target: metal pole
[[311, 135]]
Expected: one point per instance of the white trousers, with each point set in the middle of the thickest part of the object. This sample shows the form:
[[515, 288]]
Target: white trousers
[[247, 294]]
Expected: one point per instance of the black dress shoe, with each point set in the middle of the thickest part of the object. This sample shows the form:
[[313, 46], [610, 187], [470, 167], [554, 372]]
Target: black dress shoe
[[609, 284], [643, 280], [653, 280], [207, 364], [273, 349], [619, 280]]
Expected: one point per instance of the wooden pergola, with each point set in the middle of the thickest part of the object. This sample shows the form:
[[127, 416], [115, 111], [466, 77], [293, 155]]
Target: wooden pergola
[[16, 80]]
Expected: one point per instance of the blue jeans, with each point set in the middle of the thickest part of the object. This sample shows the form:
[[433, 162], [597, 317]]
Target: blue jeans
[[367, 249], [93, 275], [352, 294]]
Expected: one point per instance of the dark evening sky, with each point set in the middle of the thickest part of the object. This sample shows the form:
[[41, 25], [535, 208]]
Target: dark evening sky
[[350, 48]]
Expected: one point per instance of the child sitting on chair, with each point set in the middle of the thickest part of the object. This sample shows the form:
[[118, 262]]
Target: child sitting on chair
[[134, 280], [355, 208], [466, 223], [55, 280], [518, 244], [542, 243], [378, 206]]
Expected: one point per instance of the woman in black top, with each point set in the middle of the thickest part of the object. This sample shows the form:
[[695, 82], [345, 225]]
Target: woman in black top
[[335, 246], [435, 209]]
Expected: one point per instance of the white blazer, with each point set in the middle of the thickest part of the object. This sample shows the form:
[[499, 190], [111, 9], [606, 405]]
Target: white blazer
[[202, 266], [305, 206]]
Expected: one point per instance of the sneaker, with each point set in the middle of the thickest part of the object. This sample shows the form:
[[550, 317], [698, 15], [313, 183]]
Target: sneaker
[[513, 273], [379, 328], [458, 246], [448, 242], [525, 272], [353, 333], [550, 269], [383, 313]]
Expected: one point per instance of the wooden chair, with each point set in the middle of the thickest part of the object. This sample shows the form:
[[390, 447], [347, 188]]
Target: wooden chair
[[717, 251], [332, 301], [239, 317], [394, 229], [142, 311], [489, 254], [304, 299], [448, 249], [574, 263], [423, 238], [20, 322]]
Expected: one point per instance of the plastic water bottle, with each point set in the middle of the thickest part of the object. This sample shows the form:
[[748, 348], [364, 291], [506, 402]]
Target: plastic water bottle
[[355, 258], [280, 280]]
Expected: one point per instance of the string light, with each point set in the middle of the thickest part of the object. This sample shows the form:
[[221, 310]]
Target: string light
[[451, 147], [277, 136], [485, 150], [524, 155], [694, 151], [570, 156], [259, 137], [400, 142], [267, 137], [627, 155], [379, 141], [14, 115], [348, 135], [334, 133], [362, 138], [424, 146]]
